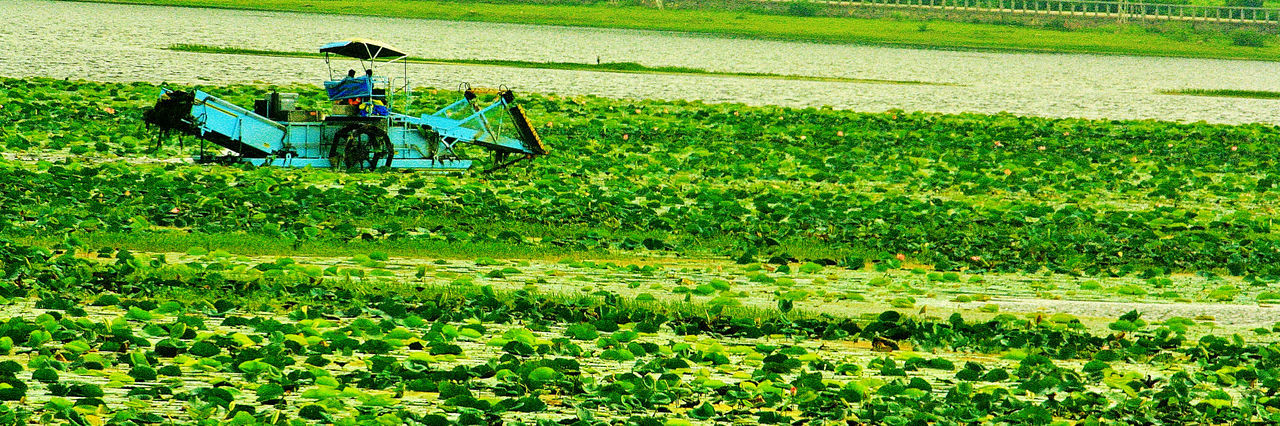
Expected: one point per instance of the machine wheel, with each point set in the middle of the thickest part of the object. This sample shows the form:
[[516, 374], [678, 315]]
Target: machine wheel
[[360, 146]]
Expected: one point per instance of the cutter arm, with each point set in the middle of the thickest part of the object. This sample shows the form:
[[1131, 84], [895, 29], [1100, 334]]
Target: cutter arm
[[502, 126]]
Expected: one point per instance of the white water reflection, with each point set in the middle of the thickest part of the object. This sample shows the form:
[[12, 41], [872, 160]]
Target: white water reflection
[[125, 42]]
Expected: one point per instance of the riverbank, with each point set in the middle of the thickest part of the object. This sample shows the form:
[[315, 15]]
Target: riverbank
[[1248, 94], [1119, 40], [614, 67]]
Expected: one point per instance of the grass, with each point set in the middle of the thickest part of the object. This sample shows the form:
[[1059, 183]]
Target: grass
[[455, 294], [673, 308], [445, 289], [1131, 40], [615, 67], [1223, 93], [260, 245]]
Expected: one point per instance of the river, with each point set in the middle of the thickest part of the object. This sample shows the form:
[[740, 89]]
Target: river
[[126, 43]]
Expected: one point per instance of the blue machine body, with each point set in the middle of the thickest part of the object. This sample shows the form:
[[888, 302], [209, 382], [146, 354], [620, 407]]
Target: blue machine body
[[368, 134]]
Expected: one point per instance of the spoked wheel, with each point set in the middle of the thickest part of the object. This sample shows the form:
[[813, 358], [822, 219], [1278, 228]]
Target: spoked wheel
[[360, 147]]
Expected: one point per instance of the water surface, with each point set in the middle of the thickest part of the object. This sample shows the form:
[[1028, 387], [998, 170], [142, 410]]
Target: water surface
[[126, 43]]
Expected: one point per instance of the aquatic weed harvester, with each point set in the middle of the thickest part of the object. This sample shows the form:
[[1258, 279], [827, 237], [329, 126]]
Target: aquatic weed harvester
[[363, 129]]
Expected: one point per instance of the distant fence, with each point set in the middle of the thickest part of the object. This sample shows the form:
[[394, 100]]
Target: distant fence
[[1120, 10]]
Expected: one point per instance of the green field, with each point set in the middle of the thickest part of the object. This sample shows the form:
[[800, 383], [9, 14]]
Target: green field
[[1172, 40], [668, 263]]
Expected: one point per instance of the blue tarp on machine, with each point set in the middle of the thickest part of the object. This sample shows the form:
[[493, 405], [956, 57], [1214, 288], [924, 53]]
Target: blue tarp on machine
[[348, 88]]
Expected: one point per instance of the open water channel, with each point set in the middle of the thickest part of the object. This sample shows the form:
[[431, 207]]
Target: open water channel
[[126, 43]]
